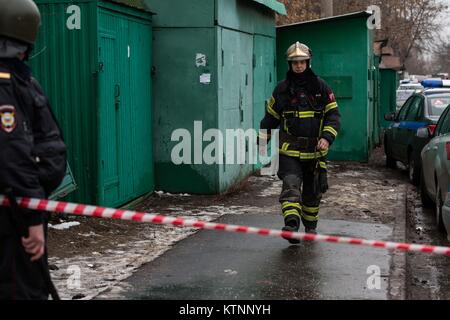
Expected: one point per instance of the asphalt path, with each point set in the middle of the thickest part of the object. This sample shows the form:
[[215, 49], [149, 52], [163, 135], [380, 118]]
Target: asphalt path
[[214, 265]]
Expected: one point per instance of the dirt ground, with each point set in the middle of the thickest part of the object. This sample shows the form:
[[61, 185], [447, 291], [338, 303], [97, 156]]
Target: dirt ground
[[355, 188]]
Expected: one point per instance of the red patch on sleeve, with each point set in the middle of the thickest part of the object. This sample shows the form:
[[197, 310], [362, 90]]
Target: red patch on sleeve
[[331, 97]]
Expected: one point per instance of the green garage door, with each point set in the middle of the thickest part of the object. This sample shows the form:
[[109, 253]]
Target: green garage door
[[264, 80], [236, 105], [125, 109]]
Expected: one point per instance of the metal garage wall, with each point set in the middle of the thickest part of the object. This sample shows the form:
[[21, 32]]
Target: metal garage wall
[[100, 87]]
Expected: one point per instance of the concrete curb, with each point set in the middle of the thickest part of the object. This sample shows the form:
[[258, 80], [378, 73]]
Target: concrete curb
[[397, 278]]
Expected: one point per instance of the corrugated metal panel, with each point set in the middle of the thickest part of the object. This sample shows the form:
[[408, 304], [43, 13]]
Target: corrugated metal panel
[[110, 151], [361, 14], [64, 62], [141, 94], [107, 151], [126, 170]]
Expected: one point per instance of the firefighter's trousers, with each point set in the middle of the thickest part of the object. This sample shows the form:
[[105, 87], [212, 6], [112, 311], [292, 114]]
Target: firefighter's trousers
[[300, 197]]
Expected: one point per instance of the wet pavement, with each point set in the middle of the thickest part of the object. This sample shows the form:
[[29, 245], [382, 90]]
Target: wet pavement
[[220, 265], [123, 260], [427, 276]]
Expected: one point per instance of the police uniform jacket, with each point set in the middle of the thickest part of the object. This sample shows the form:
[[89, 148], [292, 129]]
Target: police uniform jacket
[[33, 153]]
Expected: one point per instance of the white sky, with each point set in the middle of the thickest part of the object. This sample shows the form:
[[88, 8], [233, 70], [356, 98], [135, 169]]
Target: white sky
[[446, 30]]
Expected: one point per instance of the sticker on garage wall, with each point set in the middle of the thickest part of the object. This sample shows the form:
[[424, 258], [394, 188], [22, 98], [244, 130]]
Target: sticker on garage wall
[[205, 78], [200, 60]]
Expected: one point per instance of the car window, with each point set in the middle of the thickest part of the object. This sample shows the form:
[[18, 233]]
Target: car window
[[443, 126], [404, 110], [411, 88], [437, 104], [413, 110]]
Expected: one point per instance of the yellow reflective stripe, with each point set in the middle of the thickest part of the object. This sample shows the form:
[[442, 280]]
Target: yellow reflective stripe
[[270, 109], [331, 106], [5, 75], [330, 130], [315, 155], [306, 114], [304, 155], [323, 153], [310, 218], [321, 125], [323, 165], [300, 114], [311, 209], [285, 146], [291, 204], [294, 154], [291, 213]]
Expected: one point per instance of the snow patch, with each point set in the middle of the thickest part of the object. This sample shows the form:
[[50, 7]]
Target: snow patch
[[64, 226], [167, 194], [101, 273]]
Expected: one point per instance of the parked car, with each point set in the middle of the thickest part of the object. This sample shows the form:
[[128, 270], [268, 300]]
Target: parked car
[[435, 177], [401, 143], [405, 91]]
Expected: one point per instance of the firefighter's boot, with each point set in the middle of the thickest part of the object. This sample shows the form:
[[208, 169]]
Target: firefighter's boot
[[292, 224], [310, 227]]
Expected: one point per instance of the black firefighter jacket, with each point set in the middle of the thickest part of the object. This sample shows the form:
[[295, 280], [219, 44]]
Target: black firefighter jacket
[[304, 114]]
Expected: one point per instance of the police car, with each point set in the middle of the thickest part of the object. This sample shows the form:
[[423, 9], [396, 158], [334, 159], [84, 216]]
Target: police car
[[405, 90], [422, 109]]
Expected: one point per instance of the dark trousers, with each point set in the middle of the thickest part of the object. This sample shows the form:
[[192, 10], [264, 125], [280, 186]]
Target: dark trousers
[[300, 197], [20, 279]]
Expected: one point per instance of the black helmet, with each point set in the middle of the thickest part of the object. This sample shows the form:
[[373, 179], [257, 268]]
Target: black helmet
[[20, 20]]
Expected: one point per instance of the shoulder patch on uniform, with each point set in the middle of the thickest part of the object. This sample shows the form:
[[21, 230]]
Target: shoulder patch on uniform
[[8, 118], [5, 75], [332, 97]]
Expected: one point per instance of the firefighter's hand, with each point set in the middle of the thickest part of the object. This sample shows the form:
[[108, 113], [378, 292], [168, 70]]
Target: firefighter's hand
[[323, 144], [35, 243]]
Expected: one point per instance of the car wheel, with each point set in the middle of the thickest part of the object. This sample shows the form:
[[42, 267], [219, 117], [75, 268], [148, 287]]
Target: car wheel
[[438, 203], [413, 171], [426, 200]]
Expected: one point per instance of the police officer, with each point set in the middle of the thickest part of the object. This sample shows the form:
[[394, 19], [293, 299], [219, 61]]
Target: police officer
[[304, 108], [32, 157]]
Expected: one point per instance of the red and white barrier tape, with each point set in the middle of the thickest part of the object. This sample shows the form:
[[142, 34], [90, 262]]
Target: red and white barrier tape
[[100, 212]]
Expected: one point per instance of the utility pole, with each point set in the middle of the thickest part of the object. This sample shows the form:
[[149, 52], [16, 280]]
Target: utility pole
[[326, 8]]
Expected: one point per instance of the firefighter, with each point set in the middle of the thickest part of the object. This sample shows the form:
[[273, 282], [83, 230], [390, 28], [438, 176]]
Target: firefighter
[[304, 108], [32, 157]]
